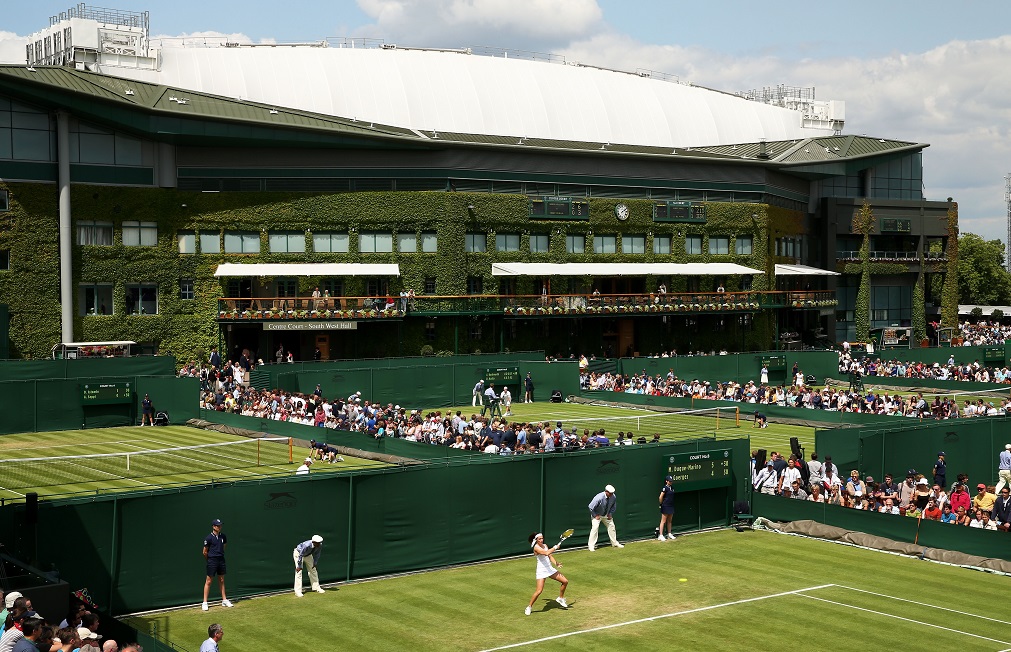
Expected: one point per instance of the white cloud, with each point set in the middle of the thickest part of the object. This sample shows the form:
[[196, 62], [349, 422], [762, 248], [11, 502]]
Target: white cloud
[[12, 47], [538, 24]]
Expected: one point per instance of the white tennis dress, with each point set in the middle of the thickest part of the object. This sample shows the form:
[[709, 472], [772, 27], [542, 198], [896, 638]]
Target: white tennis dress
[[544, 567]]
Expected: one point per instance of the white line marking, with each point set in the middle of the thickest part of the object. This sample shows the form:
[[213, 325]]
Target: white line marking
[[12, 491], [925, 604], [908, 620], [652, 618]]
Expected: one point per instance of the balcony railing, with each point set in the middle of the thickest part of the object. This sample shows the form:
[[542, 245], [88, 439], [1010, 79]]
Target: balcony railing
[[359, 308], [901, 256]]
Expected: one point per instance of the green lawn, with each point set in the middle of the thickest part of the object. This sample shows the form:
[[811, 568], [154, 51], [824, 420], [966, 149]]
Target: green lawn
[[75, 473], [742, 591]]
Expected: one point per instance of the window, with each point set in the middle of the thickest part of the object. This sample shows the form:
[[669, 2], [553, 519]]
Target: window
[[377, 287], [375, 243], [94, 233], [474, 332], [743, 245], [539, 243], [210, 242], [4, 201], [693, 245], [719, 245], [186, 288], [633, 244], [429, 285], [475, 285], [140, 234], [142, 299], [95, 298], [407, 243], [429, 242], [605, 244], [476, 243], [286, 242], [661, 245], [507, 242], [187, 242], [241, 243], [430, 331], [5, 260], [286, 287], [331, 243], [575, 244], [333, 286]]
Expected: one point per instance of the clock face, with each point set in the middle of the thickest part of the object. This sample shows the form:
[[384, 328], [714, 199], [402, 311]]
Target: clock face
[[621, 212]]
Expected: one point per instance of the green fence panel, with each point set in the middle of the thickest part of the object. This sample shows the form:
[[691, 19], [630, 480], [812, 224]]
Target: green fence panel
[[180, 397], [547, 377], [415, 387], [739, 367], [962, 354], [76, 539], [17, 402], [952, 386], [87, 368], [841, 444]]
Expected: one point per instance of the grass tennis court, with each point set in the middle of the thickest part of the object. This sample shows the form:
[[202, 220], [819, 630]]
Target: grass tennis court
[[743, 591], [193, 457]]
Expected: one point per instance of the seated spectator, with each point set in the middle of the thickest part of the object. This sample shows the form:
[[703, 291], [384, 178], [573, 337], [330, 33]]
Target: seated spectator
[[962, 517], [932, 512], [983, 500], [889, 507], [948, 516], [816, 495]]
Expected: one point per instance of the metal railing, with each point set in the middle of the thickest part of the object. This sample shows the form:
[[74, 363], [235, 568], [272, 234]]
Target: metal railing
[[886, 255], [515, 305]]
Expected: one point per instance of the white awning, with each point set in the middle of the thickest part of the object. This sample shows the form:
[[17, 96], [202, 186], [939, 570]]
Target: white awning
[[966, 309], [803, 270], [620, 269], [307, 269]]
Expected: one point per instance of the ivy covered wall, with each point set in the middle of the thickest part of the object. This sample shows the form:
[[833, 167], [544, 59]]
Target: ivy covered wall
[[186, 328]]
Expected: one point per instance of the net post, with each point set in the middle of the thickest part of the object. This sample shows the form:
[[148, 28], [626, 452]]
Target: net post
[[257, 451], [127, 461], [737, 416], [717, 418], [290, 458]]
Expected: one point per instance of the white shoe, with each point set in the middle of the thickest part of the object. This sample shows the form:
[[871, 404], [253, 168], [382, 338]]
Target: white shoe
[[298, 594], [319, 590], [591, 549], [204, 606], [670, 537], [527, 611], [340, 459], [560, 600], [619, 545], [227, 603], [661, 538]]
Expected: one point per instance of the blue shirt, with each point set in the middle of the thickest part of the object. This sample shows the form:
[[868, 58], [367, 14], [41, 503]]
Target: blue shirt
[[215, 545], [1005, 461], [603, 505], [305, 549], [209, 646]]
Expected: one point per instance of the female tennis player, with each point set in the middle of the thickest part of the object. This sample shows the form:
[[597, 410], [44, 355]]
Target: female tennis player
[[546, 568]]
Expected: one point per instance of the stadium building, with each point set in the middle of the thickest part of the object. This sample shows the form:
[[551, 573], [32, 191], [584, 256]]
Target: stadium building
[[185, 194]]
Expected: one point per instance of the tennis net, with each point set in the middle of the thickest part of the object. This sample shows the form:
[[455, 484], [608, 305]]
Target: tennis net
[[229, 457], [669, 425]]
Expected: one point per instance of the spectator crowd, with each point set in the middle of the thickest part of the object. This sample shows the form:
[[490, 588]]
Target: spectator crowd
[[916, 496], [983, 333], [25, 630]]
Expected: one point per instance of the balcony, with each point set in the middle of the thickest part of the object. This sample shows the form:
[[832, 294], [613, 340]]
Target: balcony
[[259, 309], [892, 256]]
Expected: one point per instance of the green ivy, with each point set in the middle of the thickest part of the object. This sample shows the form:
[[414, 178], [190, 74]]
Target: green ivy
[[949, 293], [863, 223], [187, 328], [919, 310]]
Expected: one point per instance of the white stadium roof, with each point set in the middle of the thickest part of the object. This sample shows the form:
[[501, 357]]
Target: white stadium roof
[[455, 92]]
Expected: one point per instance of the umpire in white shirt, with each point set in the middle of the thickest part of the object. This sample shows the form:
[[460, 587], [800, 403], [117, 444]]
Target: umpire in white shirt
[[307, 554], [602, 509]]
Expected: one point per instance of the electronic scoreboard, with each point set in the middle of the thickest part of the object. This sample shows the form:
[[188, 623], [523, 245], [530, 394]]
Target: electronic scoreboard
[[700, 470]]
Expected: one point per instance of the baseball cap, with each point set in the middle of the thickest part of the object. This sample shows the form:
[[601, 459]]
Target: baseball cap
[[308, 460], [669, 478], [1007, 447], [941, 454], [609, 488], [10, 598], [910, 472], [86, 634], [26, 615], [869, 479], [216, 521], [981, 486], [317, 538]]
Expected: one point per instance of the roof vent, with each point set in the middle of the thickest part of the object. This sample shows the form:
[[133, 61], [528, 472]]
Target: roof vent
[[763, 149]]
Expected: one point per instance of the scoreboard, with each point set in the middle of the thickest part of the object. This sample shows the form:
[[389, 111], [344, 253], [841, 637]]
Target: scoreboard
[[700, 470], [502, 376], [106, 393]]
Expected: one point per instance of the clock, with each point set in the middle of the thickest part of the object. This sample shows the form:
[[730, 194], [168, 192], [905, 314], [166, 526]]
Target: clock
[[621, 211]]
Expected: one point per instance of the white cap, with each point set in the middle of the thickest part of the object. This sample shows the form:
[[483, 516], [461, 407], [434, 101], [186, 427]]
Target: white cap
[[317, 538], [1007, 447], [308, 460], [609, 488]]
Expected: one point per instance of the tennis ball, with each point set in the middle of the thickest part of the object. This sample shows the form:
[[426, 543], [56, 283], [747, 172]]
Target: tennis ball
[[683, 579]]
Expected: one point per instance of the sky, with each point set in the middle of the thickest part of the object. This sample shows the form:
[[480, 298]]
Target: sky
[[930, 72]]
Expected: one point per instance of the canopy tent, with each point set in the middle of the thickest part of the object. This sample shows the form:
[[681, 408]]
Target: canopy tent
[[620, 269], [803, 270], [307, 269]]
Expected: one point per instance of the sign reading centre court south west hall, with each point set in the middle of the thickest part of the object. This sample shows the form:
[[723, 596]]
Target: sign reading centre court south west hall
[[310, 326]]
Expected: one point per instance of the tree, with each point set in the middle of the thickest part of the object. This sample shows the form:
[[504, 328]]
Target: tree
[[982, 278], [949, 293]]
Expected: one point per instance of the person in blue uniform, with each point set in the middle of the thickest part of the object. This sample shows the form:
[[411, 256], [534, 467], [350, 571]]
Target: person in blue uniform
[[214, 553], [666, 509], [146, 411], [940, 470]]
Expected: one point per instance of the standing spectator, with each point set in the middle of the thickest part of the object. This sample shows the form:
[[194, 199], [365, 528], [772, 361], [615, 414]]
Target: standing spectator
[[308, 553], [477, 395], [789, 474], [31, 629], [69, 640], [214, 554], [214, 634], [764, 378], [280, 353], [907, 490], [940, 470], [666, 508], [146, 411], [546, 568], [602, 507], [110, 646], [528, 389], [766, 480], [815, 470], [1004, 468]]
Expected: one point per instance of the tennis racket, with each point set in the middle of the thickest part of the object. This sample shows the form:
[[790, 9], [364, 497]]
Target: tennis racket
[[565, 535]]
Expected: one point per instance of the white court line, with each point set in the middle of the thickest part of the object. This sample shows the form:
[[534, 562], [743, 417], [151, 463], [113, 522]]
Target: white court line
[[660, 617], [908, 620], [12, 491], [925, 604]]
